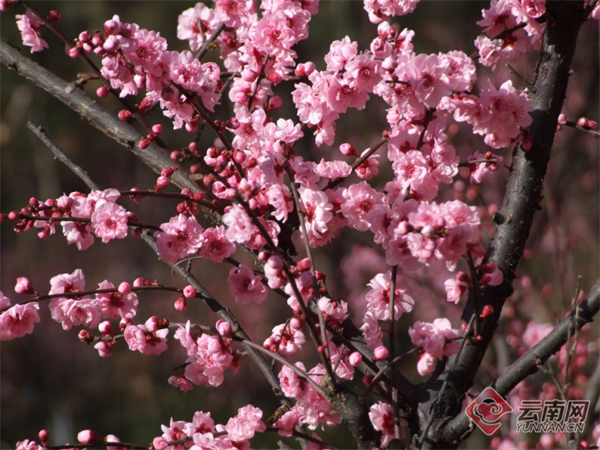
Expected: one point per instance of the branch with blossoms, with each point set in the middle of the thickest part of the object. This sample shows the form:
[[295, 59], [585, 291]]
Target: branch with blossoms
[[239, 184]]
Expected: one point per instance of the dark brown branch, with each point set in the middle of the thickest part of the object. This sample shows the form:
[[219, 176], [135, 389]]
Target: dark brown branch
[[530, 362], [100, 118], [521, 201]]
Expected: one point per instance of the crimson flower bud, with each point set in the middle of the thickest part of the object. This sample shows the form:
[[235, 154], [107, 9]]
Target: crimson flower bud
[[180, 304], [102, 91], [348, 150], [161, 183], [144, 143], [124, 115], [157, 128], [275, 102], [53, 16], [85, 336], [582, 122], [73, 52], [139, 282]]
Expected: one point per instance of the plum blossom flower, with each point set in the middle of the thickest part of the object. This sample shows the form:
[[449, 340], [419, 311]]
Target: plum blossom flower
[[318, 213], [382, 418], [180, 237], [333, 311], [215, 245], [18, 320], [138, 337], [359, 200], [371, 331], [378, 298], [246, 286], [29, 25], [114, 305], [109, 221], [291, 384], [28, 445], [246, 424], [437, 339], [196, 25], [239, 225]]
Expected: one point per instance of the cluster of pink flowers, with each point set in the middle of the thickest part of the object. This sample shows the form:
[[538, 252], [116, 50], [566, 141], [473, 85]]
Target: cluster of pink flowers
[[505, 15], [437, 339], [208, 356], [311, 408], [204, 434], [87, 310], [380, 10]]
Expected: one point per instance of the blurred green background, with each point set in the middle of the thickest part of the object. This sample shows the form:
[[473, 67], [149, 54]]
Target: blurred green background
[[50, 380]]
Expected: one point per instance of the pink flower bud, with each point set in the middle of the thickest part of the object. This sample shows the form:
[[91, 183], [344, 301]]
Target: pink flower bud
[[582, 122], [274, 78], [487, 311], [380, 353], [304, 265], [300, 71], [160, 443], [296, 323], [102, 91], [249, 75], [348, 150], [23, 286], [124, 115], [189, 291], [85, 336], [157, 128], [111, 26], [43, 436], [73, 52], [355, 359], [167, 172], [139, 282], [161, 182], [309, 67], [124, 287], [224, 328], [180, 304], [275, 102], [275, 262], [367, 379], [87, 437], [144, 143], [106, 328]]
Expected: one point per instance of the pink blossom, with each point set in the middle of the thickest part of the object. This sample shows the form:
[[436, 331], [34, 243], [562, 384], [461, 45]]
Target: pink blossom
[[427, 336], [247, 422], [215, 245], [4, 300], [23, 286], [28, 445], [285, 340], [74, 282], [333, 311], [382, 418], [318, 213], [180, 237], [291, 384], [196, 25], [426, 364], [239, 225], [455, 288], [109, 221], [181, 382], [29, 25], [114, 305], [78, 233], [482, 169], [378, 298], [76, 311], [246, 286], [146, 342], [371, 331], [333, 169], [18, 320], [360, 199], [450, 335], [280, 199], [174, 432]]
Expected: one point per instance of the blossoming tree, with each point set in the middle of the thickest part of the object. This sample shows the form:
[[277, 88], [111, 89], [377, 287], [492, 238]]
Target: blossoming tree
[[253, 191]]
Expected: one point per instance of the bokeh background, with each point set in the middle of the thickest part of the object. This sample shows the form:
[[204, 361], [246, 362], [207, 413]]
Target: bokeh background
[[50, 380]]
